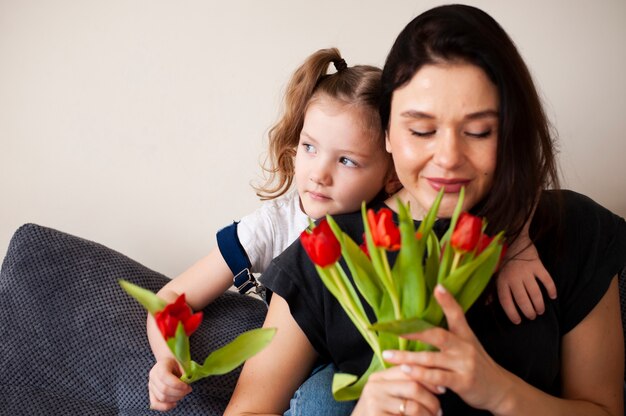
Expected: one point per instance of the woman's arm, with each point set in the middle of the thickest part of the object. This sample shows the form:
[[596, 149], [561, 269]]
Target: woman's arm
[[592, 364], [269, 379]]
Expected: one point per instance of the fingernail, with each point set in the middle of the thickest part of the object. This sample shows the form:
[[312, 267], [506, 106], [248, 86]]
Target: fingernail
[[441, 389], [439, 288], [440, 412], [405, 368], [387, 355]]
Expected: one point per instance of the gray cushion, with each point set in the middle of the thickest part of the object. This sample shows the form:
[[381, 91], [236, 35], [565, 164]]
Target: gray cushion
[[73, 343]]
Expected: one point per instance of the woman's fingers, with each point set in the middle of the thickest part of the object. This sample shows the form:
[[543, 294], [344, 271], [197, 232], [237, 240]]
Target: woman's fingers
[[393, 392]]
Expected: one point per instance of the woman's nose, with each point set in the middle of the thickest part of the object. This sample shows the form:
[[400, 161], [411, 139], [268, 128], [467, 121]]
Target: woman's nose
[[449, 151]]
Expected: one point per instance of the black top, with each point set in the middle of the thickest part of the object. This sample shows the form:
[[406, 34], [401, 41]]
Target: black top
[[582, 256]]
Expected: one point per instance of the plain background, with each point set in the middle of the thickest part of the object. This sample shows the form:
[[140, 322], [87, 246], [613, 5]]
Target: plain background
[[140, 124]]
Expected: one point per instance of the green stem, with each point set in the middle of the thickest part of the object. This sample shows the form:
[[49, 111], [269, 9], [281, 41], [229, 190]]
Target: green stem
[[358, 319], [455, 261], [395, 301], [395, 298]]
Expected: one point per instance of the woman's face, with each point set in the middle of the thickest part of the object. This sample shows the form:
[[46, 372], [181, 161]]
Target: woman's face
[[443, 134]]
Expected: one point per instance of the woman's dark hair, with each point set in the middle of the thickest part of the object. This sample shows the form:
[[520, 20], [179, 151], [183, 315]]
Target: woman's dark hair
[[526, 154]]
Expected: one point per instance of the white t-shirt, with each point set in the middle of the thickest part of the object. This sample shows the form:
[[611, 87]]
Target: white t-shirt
[[269, 230]]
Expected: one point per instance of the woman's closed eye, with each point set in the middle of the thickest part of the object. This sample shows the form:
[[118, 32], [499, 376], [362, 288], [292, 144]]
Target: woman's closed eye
[[479, 135], [423, 133]]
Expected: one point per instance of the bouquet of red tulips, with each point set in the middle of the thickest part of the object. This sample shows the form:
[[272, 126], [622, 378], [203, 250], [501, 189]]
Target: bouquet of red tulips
[[177, 322], [463, 261]]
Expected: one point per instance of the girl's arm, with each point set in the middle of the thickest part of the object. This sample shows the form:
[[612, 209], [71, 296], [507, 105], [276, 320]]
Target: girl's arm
[[517, 280], [592, 365], [270, 378], [201, 283]]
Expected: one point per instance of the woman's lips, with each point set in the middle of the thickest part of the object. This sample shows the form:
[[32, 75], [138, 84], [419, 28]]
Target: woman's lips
[[449, 185]]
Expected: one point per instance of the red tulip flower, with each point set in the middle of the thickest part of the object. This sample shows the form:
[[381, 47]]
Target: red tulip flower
[[384, 232], [167, 319], [484, 241], [321, 244], [466, 233]]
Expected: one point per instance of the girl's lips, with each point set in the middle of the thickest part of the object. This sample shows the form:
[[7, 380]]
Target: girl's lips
[[452, 186], [318, 197]]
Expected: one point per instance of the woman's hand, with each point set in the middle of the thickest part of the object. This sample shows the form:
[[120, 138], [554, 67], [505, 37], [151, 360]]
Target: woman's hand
[[461, 364], [165, 387], [393, 392]]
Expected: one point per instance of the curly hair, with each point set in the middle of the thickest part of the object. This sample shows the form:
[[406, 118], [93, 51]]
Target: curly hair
[[357, 86]]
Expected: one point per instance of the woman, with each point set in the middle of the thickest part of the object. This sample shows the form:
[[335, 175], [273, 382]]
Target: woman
[[460, 109]]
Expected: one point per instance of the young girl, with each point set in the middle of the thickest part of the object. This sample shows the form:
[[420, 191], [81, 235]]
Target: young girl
[[330, 142]]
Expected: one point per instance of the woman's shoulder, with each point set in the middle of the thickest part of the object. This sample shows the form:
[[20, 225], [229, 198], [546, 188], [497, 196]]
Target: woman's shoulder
[[574, 209]]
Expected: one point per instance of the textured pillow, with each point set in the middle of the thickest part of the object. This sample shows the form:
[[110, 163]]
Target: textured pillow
[[73, 343]]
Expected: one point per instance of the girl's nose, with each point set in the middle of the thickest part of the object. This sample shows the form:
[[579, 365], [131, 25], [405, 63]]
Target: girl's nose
[[449, 151], [321, 173]]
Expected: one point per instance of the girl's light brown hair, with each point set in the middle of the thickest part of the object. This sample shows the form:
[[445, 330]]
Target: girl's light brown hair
[[357, 86]]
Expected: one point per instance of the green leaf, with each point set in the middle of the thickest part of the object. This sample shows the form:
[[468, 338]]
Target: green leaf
[[402, 326], [232, 355], [360, 267], [475, 286], [457, 279], [432, 263], [408, 271], [455, 217], [149, 300], [349, 387], [179, 345]]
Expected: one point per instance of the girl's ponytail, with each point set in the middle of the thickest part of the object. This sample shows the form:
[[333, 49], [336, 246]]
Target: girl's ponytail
[[285, 134]]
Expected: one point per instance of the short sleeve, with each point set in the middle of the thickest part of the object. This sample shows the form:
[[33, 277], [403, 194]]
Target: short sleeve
[[595, 240], [292, 276]]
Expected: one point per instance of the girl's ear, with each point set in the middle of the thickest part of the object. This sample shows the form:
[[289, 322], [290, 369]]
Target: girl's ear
[[387, 143]]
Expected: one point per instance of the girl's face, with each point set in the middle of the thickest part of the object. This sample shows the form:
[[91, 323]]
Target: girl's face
[[443, 134], [339, 164]]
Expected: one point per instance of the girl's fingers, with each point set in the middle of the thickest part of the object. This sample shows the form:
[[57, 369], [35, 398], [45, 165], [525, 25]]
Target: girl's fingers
[[523, 301], [507, 303], [545, 278], [535, 295]]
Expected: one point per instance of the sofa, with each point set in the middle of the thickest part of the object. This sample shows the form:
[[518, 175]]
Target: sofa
[[72, 342]]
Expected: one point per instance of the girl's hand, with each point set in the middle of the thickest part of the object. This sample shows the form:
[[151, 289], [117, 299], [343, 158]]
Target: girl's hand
[[393, 392], [517, 284], [461, 364], [165, 387]]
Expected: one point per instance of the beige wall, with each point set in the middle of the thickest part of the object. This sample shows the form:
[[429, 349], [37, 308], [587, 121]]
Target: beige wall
[[139, 124]]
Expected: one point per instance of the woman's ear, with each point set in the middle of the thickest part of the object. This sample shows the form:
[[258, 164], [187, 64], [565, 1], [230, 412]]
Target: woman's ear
[[392, 183]]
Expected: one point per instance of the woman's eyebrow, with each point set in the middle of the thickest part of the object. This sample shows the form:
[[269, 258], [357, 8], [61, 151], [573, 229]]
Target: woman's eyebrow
[[482, 114], [472, 116], [416, 114]]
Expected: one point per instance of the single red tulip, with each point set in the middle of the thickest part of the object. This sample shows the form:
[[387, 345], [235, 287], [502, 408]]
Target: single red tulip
[[466, 233], [167, 319], [384, 232], [484, 241], [321, 244]]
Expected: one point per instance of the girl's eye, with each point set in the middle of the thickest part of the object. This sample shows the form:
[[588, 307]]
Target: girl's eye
[[309, 148], [481, 135], [347, 162], [423, 133]]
